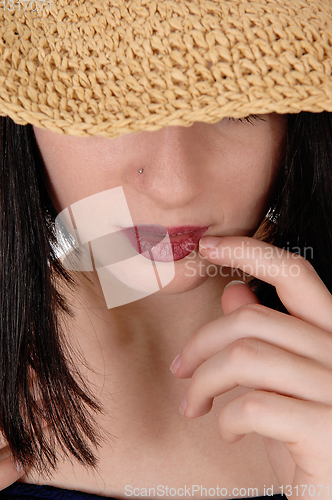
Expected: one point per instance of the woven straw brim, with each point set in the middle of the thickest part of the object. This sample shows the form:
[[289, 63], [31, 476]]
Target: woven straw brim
[[122, 66]]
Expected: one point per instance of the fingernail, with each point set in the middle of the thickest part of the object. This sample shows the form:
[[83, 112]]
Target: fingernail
[[234, 282], [209, 242], [183, 405], [176, 364]]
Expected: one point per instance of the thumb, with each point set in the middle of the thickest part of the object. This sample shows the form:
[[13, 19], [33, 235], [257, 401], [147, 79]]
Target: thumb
[[237, 294]]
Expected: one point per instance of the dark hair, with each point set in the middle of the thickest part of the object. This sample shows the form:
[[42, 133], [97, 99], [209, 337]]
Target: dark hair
[[35, 360], [301, 213], [32, 343]]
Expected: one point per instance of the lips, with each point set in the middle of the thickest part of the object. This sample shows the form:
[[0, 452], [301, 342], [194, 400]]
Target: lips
[[148, 241]]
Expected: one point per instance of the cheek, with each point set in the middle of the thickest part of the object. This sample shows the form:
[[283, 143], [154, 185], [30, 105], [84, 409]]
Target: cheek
[[70, 173], [248, 196], [60, 176], [66, 184]]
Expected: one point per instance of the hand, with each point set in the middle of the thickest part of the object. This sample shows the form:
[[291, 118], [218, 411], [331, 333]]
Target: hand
[[285, 359]]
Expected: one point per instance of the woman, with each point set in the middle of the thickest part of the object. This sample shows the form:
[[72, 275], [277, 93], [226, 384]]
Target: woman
[[85, 366]]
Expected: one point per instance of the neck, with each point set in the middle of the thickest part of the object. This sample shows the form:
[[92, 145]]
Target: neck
[[158, 325]]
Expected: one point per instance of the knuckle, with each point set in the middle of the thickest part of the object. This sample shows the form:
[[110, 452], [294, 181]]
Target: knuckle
[[253, 404], [241, 350], [304, 265], [249, 313]]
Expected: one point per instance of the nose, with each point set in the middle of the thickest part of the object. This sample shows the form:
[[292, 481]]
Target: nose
[[171, 167]]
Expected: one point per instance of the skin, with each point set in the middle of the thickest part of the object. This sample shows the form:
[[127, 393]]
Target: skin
[[203, 175], [285, 359], [221, 176]]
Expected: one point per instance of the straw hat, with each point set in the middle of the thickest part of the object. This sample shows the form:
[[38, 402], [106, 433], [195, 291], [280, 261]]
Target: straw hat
[[110, 67]]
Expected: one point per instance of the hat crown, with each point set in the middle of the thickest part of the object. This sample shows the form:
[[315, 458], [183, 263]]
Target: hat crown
[[114, 67]]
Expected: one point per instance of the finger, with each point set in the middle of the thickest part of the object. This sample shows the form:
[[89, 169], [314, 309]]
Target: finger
[[301, 425], [298, 285], [237, 294], [9, 473], [257, 322], [256, 365]]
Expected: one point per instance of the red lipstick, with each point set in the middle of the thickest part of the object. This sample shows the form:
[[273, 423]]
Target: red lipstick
[[147, 239]]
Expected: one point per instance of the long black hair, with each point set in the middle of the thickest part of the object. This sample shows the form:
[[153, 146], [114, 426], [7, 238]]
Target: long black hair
[[35, 360], [301, 213], [32, 343]]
